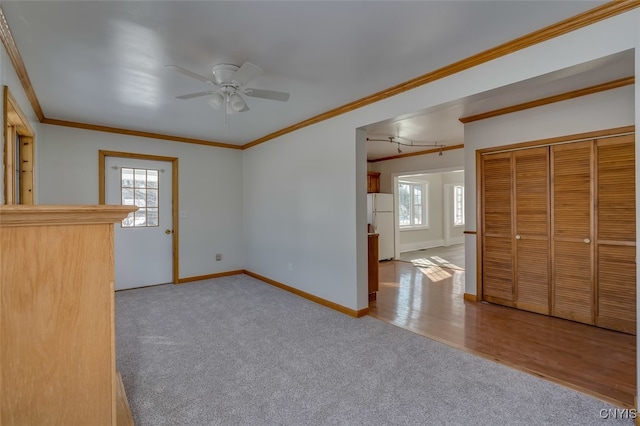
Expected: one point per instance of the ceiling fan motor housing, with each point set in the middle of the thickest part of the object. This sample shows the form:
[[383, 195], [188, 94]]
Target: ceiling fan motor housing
[[224, 74]]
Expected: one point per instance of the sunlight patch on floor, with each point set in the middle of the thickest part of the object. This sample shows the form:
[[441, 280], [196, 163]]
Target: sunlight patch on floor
[[435, 261], [435, 273]]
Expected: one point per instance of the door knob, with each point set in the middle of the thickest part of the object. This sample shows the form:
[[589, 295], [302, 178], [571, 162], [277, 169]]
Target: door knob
[[518, 237], [587, 240], [168, 231]]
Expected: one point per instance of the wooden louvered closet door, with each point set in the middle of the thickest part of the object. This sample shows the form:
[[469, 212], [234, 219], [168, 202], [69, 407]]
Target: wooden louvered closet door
[[497, 242], [558, 231], [616, 234], [531, 211], [572, 229]]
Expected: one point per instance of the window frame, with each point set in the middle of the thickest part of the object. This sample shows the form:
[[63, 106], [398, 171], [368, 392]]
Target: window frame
[[456, 207], [424, 205], [134, 216]]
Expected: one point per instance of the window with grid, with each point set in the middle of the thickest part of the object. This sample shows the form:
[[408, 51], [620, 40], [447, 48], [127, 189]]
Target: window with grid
[[458, 205], [139, 187], [412, 205]]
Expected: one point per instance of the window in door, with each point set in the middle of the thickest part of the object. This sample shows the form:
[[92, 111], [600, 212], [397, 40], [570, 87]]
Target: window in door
[[139, 187]]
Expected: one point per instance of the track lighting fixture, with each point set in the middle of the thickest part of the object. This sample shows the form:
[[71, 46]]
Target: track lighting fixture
[[399, 141]]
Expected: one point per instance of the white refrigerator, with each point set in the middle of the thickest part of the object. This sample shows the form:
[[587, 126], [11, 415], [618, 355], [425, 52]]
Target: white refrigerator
[[380, 216]]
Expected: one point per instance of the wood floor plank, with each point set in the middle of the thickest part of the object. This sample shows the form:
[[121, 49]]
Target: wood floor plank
[[429, 300]]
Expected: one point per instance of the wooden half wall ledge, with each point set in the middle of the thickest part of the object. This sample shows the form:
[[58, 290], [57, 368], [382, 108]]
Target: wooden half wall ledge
[[24, 215], [311, 297]]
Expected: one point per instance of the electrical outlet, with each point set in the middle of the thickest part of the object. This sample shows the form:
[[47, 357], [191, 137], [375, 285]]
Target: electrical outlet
[[218, 256]]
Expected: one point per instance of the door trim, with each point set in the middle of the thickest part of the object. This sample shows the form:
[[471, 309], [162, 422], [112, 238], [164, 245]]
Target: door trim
[[102, 154]]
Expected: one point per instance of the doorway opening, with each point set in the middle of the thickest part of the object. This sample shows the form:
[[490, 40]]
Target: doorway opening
[[430, 219], [19, 154]]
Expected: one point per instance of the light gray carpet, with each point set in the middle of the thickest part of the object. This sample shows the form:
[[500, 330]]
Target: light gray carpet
[[236, 351]]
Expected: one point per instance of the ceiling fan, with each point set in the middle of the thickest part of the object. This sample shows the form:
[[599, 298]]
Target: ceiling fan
[[228, 82]]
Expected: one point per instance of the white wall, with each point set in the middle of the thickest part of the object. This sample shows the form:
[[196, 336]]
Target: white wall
[[301, 199], [300, 209], [604, 110], [210, 189]]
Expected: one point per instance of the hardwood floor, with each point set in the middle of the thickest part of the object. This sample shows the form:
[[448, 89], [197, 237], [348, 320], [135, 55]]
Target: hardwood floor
[[452, 256], [428, 300]]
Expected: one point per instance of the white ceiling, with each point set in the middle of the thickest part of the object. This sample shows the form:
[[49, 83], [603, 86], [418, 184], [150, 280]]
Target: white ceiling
[[103, 62]]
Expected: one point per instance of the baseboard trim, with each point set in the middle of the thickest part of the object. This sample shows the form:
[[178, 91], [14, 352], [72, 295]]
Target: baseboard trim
[[420, 245], [470, 297], [311, 297], [210, 276]]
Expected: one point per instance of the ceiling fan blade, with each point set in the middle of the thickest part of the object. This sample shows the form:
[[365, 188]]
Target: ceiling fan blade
[[246, 73], [267, 94], [188, 73], [196, 95]]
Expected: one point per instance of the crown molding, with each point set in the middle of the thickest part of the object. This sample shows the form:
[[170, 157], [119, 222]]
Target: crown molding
[[550, 99], [142, 134], [18, 65]]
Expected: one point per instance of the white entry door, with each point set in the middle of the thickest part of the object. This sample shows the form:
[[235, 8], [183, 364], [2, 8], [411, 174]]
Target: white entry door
[[143, 240]]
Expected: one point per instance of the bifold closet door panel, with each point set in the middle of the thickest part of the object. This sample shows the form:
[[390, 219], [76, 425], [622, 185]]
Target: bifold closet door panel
[[497, 231], [572, 230], [616, 308], [531, 188], [616, 234]]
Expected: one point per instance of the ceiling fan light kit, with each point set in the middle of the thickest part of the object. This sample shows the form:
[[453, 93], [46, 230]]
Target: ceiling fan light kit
[[216, 100], [236, 102]]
